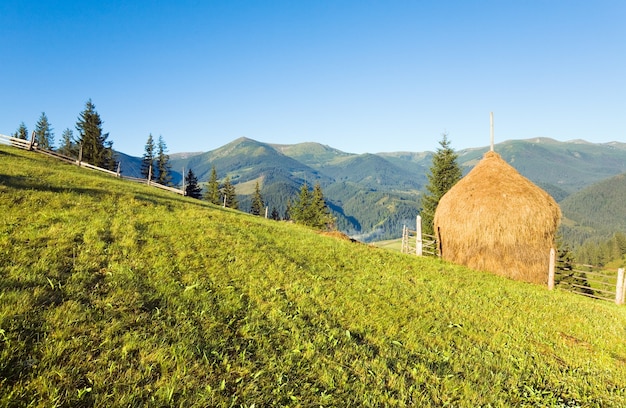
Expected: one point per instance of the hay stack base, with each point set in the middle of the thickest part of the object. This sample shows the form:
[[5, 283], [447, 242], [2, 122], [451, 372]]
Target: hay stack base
[[495, 219]]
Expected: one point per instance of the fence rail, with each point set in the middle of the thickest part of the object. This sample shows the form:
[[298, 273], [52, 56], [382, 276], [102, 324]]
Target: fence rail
[[31, 145], [12, 141], [604, 284], [418, 243]]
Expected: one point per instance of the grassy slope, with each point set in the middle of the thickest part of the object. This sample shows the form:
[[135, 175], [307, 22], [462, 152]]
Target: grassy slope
[[116, 294]]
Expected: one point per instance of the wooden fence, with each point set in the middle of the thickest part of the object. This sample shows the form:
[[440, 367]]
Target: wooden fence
[[418, 243], [31, 145], [588, 280]]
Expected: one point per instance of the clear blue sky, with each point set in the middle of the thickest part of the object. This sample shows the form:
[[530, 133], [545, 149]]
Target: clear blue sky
[[360, 76]]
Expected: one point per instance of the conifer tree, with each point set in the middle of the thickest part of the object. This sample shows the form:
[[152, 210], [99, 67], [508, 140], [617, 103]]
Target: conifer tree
[[21, 132], [96, 149], [321, 217], [444, 173], [300, 210], [147, 161], [212, 193], [230, 195], [310, 208], [192, 189], [68, 147], [43, 133], [257, 201], [275, 215], [163, 163]]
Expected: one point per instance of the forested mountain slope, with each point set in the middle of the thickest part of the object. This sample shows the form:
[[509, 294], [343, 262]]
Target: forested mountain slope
[[600, 208]]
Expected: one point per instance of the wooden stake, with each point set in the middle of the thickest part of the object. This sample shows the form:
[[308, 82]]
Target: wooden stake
[[551, 269], [419, 245], [491, 123], [619, 288], [32, 141]]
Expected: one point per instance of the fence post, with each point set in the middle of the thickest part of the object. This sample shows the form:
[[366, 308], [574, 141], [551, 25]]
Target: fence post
[[32, 141], [150, 174], [551, 269], [619, 288], [419, 245], [119, 169], [403, 239]]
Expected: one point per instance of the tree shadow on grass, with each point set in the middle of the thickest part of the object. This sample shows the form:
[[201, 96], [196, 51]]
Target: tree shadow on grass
[[29, 183]]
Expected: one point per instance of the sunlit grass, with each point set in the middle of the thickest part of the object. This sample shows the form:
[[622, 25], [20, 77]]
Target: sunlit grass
[[116, 294]]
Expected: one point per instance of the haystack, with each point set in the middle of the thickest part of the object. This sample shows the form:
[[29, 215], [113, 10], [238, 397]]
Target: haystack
[[494, 219]]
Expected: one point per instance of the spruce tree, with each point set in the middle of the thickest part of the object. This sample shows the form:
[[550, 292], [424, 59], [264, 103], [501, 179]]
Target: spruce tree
[[163, 163], [444, 173], [274, 214], [230, 195], [301, 208], [310, 208], [320, 215], [192, 189], [43, 133], [257, 201], [96, 149], [212, 193], [21, 132], [147, 160], [68, 147]]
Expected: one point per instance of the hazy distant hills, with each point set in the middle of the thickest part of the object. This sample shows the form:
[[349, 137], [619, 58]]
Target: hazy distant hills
[[373, 195], [598, 210]]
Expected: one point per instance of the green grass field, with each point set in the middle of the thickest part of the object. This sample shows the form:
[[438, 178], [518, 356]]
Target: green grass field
[[118, 294]]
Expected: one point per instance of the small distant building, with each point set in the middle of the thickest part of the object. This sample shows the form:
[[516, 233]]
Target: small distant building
[[494, 219]]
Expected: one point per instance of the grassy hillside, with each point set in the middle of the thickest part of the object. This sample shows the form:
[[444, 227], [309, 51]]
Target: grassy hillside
[[116, 294]]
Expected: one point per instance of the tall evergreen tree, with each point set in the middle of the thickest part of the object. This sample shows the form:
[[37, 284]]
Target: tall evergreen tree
[[257, 201], [96, 149], [147, 160], [275, 215], [444, 173], [68, 147], [163, 163], [300, 209], [310, 208], [21, 132], [321, 217], [43, 133], [212, 193], [192, 189], [229, 194]]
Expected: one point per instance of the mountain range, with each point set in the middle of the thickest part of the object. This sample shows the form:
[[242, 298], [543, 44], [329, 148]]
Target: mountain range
[[374, 195]]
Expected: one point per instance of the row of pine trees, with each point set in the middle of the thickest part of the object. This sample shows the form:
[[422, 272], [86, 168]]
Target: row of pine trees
[[91, 144]]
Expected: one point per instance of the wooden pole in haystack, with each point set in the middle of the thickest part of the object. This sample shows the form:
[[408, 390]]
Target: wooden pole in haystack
[[491, 123]]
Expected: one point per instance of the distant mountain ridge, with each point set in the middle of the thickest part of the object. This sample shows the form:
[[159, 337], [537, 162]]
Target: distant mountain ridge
[[373, 195]]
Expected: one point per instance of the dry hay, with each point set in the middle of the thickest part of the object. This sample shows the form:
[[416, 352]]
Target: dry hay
[[495, 219]]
